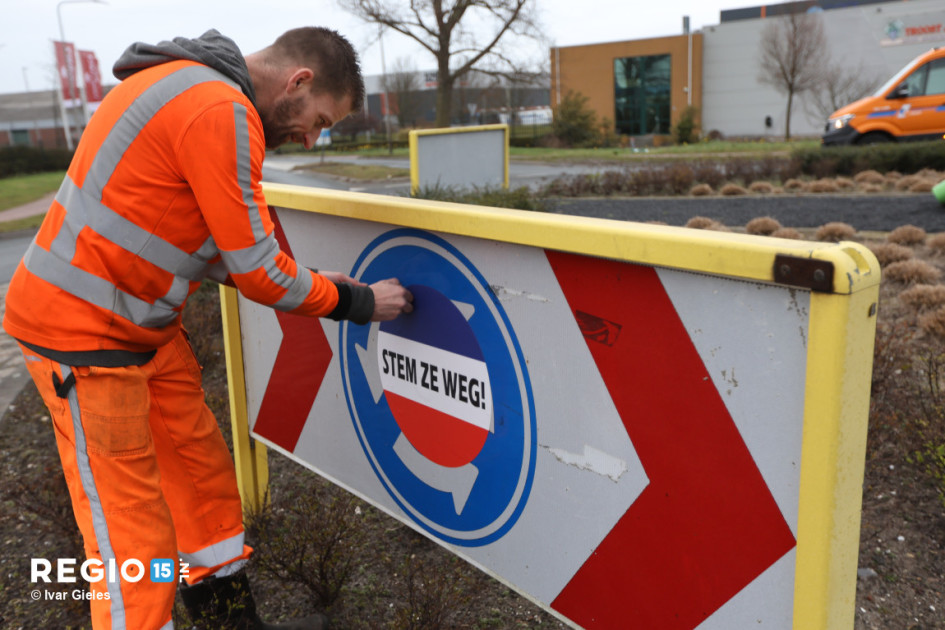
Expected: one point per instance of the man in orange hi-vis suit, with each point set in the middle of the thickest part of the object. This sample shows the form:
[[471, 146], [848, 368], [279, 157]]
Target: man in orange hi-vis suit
[[163, 192]]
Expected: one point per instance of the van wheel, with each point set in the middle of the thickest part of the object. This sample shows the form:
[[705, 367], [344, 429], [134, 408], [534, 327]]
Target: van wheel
[[875, 137]]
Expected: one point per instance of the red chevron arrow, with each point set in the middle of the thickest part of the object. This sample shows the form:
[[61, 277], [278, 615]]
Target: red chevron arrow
[[297, 374], [706, 525]]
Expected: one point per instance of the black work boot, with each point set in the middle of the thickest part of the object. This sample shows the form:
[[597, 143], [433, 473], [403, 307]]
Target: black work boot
[[226, 603]]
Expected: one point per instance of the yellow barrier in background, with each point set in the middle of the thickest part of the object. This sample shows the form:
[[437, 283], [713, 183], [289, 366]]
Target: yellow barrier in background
[[458, 159]]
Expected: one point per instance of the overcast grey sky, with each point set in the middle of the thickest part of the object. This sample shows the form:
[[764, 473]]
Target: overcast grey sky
[[28, 27]]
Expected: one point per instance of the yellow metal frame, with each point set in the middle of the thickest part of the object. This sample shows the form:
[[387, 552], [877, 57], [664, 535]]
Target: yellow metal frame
[[249, 455], [839, 361], [414, 143]]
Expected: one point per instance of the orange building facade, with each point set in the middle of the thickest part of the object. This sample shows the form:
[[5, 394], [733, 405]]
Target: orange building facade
[[642, 87]]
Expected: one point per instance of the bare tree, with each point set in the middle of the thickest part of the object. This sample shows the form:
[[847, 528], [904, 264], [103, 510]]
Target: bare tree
[[793, 52], [402, 85], [460, 34], [840, 85]]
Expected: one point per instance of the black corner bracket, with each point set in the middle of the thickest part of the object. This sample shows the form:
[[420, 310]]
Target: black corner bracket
[[807, 273]]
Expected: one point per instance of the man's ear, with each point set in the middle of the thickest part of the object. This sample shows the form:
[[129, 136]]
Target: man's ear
[[301, 77]]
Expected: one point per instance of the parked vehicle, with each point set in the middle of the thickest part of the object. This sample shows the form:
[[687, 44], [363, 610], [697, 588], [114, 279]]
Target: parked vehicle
[[909, 106]]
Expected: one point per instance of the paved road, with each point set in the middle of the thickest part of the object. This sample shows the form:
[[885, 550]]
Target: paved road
[[288, 169], [13, 374]]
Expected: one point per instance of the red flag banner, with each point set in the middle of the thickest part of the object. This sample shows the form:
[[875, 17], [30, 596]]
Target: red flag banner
[[65, 64], [91, 76]]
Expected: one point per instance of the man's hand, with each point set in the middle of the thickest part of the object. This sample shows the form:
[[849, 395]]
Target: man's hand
[[390, 300]]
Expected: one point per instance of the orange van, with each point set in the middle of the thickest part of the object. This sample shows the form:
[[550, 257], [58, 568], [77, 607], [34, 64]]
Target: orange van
[[910, 106]]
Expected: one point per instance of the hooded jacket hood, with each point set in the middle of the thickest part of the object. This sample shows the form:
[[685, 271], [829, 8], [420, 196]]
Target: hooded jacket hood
[[211, 49]]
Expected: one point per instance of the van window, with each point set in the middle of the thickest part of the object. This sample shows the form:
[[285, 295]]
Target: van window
[[936, 81], [927, 80], [915, 82]]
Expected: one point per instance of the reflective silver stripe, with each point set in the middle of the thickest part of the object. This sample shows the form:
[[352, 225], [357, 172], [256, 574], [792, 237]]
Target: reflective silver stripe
[[99, 525], [168, 626], [244, 170], [139, 114], [94, 289], [175, 297], [230, 569], [262, 255], [216, 554], [84, 211], [298, 290], [208, 250], [257, 256]]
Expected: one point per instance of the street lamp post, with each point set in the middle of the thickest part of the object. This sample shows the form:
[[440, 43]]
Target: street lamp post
[[70, 66], [29, 98]]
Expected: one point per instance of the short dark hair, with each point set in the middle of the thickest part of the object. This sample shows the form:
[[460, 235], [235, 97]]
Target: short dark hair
[[338, 71]]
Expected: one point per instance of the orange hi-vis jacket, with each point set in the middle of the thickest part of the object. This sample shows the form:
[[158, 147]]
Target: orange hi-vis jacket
[[163, 191]]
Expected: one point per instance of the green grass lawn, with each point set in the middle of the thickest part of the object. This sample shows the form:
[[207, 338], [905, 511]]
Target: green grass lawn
[[718, 148], [15, 191]]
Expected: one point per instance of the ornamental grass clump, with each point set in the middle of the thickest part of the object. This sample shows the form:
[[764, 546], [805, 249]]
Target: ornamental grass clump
[[907, 235], [761, 188], [869, 177], [845, 183], [936, 243], [835, 232], [922, 186], [701, 190], [790, 233], [933, 323], [924, 297], [702, 223], [888, 253], [764, 226], [823, 185], [912, 272], [795, 185], [905, 183], [733, 190]]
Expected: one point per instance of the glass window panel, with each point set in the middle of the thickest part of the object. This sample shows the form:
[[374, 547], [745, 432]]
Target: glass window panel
[[641, 94], [936, 82], [916, 81], [20, 137]]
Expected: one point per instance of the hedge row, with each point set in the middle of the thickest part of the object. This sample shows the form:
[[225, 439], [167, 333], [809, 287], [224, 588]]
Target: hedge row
[[21, 160], [904, 157]]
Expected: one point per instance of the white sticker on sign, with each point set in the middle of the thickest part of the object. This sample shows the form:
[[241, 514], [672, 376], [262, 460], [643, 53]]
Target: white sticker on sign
[[450, 383]]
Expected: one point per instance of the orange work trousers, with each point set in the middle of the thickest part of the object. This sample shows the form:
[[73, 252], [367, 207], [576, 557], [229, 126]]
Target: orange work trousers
[[150, 478]]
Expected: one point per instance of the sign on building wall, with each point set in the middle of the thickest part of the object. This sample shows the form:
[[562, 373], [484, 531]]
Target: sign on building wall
[[459, 157], [634, 425]]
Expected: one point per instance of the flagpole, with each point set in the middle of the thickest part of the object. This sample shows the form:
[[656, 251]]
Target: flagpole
[[70, 67], [66, 127]]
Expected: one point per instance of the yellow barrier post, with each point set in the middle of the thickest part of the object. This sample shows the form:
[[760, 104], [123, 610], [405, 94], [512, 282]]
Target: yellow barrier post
[[250, 456]]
